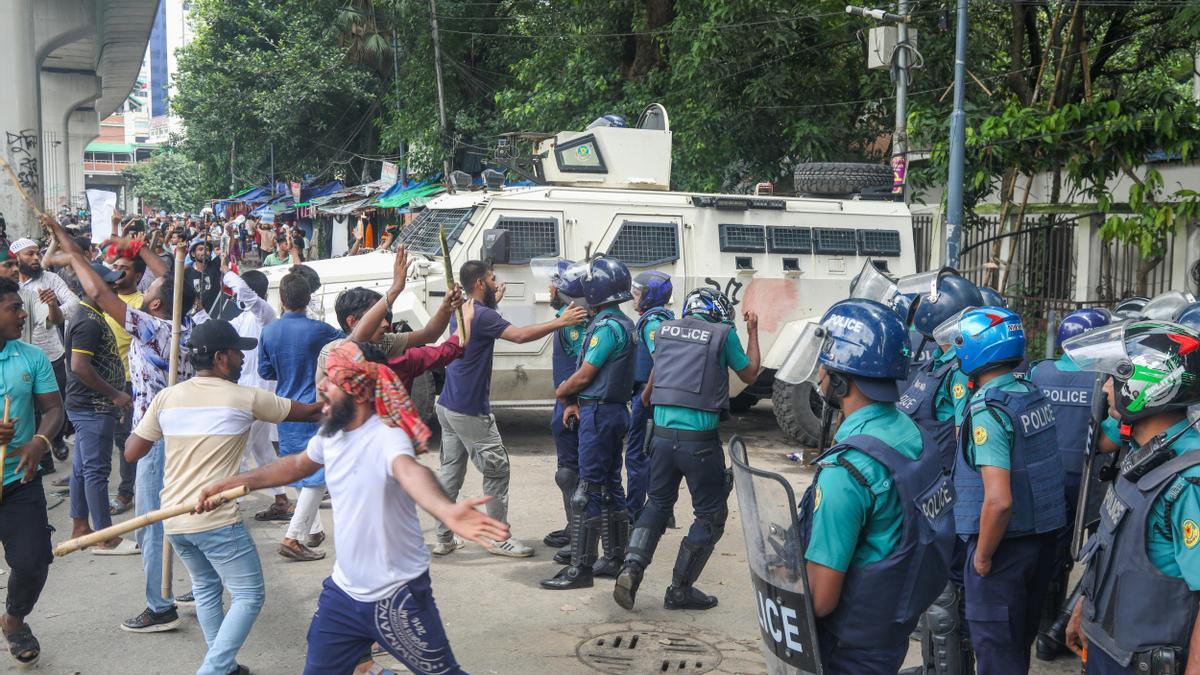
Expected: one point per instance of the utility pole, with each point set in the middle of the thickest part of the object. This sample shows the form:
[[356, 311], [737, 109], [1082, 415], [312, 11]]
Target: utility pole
[[898, 63], [232, 157], [441, 90], [272, 169], [396, 91], [958, 130]]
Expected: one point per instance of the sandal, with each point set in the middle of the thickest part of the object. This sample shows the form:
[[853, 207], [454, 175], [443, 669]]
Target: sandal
[[275, 511], [21, 641], [117, 506]]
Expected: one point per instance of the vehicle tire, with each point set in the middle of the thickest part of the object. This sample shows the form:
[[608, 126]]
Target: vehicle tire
[[798, 411], [743, 402], [840, 178]]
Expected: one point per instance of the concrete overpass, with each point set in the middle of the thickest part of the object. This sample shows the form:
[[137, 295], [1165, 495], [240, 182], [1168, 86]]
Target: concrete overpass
[[66, 65]]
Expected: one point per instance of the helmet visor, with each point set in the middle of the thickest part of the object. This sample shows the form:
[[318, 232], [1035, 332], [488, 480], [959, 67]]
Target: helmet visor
[[1164, 306], [948, 332], [544, 268], [872, 284], [1101, 350], [924, 283], [801, 363], [580, 270]]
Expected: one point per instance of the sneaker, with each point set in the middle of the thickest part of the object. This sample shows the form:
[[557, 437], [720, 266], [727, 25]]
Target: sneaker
[[447, 547], [510, 548], [315, 540], [151, 622], [186, 600]]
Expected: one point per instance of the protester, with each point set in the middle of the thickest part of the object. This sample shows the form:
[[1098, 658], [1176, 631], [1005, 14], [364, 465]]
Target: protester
[[132, 269], [204, 276], [205, 422], [283, 254], [288, 354], [464, 408], [380, 589], [32, 391]]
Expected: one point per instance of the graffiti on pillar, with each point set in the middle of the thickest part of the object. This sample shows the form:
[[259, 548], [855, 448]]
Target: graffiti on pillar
[[23, 157]]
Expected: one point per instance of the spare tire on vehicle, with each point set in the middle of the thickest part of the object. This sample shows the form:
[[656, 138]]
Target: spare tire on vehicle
[[798, 410], [840, 178]]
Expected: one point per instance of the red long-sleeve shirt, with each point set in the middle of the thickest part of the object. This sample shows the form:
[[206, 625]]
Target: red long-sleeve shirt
[[417, 360]]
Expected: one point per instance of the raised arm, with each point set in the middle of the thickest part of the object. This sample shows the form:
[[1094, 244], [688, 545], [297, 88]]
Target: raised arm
[[749, 374], [282, 471], [375, 313], [571, 316]]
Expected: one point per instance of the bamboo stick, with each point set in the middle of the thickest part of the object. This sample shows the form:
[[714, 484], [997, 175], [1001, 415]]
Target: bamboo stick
[[168, 560]]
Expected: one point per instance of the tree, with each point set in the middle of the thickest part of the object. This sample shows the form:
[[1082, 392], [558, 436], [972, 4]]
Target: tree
[[168, 181]]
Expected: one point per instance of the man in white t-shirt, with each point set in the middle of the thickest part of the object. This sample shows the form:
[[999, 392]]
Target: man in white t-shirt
[[379, 590]]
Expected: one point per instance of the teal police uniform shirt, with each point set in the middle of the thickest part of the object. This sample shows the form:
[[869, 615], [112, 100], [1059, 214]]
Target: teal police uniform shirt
[[851, 524], [951, 400], [24, 372], [606, 340], [989, 440], [1173, 526], [572, 336], [650, 331], [691, 419]]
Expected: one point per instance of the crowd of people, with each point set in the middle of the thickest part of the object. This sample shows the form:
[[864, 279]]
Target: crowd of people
[[944, 506]]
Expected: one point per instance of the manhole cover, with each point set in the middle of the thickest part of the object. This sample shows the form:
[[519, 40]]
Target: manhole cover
[[644, 652]]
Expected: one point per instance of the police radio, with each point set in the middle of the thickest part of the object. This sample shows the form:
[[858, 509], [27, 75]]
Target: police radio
[[1158, 451]]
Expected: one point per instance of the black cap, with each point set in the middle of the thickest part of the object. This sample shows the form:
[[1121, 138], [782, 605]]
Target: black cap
[[107, 275], [214, 335]]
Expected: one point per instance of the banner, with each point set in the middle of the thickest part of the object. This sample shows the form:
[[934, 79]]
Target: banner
[[295, 192], [102, 204], [390, 173]]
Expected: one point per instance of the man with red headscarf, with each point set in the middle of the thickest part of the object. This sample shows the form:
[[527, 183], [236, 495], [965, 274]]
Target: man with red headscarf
[[379, 590]]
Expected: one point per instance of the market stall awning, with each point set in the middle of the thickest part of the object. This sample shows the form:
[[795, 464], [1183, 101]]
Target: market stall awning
[[403, 199], [345, 208]]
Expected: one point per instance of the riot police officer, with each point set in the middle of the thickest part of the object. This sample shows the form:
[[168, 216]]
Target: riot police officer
[[936, 399], [596, 398], [567, 343], [1070, 391], [689, 389], [878, 516], [992, 298], [1008, 477], [651, 295], [1139, 610]]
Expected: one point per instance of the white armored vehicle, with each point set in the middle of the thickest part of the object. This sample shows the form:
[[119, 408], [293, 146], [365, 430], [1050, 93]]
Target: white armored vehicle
[[607, 190]]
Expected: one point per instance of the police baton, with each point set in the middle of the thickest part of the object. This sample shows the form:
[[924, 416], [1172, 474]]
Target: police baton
[[1098, 412]]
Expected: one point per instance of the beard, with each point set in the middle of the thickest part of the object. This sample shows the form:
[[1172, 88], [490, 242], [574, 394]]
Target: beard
[[489, 297], [31, 271], [556, 301], [341, 413]]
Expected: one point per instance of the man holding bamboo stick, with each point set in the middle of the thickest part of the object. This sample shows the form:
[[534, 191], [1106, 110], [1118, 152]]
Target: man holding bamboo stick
[[27, 384]]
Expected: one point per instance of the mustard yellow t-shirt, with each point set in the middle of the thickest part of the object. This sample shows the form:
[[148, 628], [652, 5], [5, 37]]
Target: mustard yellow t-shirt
[[123, 338]]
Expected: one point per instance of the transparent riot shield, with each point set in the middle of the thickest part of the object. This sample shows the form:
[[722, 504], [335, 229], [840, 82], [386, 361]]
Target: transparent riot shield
[[776, 556]]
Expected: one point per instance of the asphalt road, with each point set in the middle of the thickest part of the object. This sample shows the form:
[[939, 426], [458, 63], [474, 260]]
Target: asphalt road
[[498, 619]]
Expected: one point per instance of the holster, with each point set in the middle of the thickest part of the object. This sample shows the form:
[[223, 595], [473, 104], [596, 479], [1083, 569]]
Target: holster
[[646, 442], [1159, 661]]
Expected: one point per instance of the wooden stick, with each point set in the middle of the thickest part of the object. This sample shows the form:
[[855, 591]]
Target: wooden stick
[[168, 560], [72, 545], [4, 448], [449, 270]]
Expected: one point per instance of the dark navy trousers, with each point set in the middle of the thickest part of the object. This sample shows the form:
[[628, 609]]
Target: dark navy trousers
[[602, 428], [702, 464], [839, 660], [1100, 663], [1004, 608], [566, 441], [637, 463]]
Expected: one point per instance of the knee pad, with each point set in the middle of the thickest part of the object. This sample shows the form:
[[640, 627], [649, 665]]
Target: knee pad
[[566, 479], [581, 496], [709, 528]]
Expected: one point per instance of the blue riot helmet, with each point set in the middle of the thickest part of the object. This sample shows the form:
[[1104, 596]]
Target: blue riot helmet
[[862, 339], [1189, 316], [605, 281], [984, 337], [654, 289], [564, 275], [942, 295], [1164, 306], [609, 120], [1131, 307], [992, 298], [708, 304], [1081, 321]]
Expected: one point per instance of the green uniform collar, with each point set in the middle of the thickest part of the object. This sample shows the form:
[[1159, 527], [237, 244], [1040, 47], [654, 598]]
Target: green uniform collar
[[611, 309], [997, 382], [857, 420], [1066, 365], [941, 358]]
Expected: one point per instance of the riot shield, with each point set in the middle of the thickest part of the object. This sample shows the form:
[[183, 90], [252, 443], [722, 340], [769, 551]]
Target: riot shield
[[776, 556]]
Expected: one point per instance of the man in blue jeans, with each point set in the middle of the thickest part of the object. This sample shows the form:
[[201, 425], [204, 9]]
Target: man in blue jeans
[[204, 424]]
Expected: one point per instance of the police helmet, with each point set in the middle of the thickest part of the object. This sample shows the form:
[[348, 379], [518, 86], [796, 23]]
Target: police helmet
[[1164, 306], [569, 287], [992, 298], [984, 337], [1189, 316], [655, 289], [708, 304], [1081, 321], [948, 294], [609, 120], [1154, 364], [1131, 307], [869, 342], [607, 282]]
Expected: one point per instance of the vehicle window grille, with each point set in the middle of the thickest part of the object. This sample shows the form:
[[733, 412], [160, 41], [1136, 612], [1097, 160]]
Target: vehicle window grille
[[530, 238], [830, 241], [742, 238], [879, 242], [789, 239], [640, 244], [422, 234]]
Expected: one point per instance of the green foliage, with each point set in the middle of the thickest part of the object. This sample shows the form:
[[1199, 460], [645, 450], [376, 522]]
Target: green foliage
[[168, 181]]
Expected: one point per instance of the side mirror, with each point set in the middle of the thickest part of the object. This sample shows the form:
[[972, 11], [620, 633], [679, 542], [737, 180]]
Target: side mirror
[[496, 246]]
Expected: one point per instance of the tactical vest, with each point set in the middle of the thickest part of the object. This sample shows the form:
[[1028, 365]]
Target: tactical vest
[[1130, 606], [922, 353], [1071, 395], [614, 382], [688, 369], [1039, 502], [563, 365], [645, 361], [919, 402], [882, 601]]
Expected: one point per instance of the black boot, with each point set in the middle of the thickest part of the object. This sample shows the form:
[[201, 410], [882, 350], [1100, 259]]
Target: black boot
[[1053, 642], [615, 536], [688, 565], [583, 555], [642, 543], [566, 480], [563, 556]]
